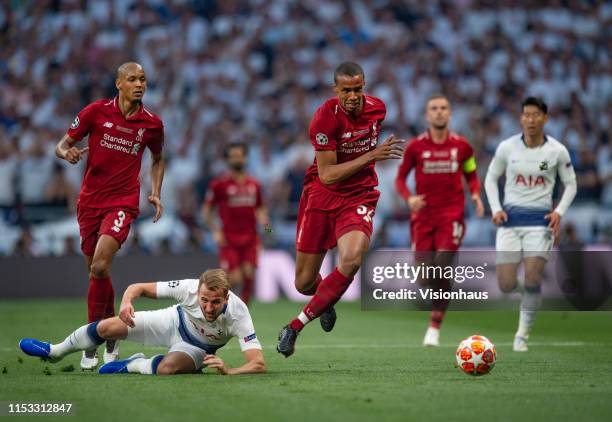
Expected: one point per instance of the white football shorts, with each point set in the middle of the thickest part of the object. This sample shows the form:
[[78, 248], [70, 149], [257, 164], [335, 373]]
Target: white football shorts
[[515, 243], [160, 328]]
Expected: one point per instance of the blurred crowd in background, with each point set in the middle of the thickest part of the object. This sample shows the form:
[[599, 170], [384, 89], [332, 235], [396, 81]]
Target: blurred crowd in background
[[255, 71]]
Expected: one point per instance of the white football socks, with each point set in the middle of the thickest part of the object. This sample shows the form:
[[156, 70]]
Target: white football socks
[[531, 300], [144, 365], [78, 340]]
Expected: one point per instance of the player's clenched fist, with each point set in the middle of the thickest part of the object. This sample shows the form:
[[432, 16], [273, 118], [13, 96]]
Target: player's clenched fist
[[74, 155], [416, 202], [499, 218], [391, 148]]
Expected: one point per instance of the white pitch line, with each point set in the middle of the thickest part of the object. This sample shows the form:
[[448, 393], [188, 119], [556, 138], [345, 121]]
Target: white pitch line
[[401, 346], [419, 346]]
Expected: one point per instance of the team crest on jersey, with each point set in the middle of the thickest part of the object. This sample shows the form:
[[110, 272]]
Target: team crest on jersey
[[75, 124], [544, 165], [140, 134], [321, 139], [135, 149], [426, 154]]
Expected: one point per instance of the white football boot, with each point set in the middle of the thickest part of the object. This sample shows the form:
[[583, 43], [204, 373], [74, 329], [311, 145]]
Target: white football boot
[[89, 360], [111, 351], [432, 337], [520, 344]]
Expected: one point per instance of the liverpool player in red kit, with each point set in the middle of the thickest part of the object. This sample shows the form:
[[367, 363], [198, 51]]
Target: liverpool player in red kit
[[339, 197], [119, 129], [440, 159], [238, 198]]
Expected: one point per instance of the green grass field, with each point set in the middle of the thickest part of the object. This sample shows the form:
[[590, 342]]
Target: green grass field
[[371, 367]]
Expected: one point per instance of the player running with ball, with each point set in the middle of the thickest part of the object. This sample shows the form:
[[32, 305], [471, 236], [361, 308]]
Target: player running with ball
[[339, 197], [528, 223]]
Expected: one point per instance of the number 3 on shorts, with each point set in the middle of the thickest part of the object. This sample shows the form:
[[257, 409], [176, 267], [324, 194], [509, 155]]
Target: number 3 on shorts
[[119, 221], [367, 213]]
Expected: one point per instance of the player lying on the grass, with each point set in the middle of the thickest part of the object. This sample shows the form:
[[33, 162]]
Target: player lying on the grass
[[206, 317]]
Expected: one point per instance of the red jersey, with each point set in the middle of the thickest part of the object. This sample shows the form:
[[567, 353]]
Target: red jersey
[[116, 145], [333, 129], [237, 202], [439, 168]]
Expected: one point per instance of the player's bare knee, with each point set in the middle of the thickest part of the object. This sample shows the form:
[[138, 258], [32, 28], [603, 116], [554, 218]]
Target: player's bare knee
[[304, 281], [350, 263], [105, 329], [99, 269]]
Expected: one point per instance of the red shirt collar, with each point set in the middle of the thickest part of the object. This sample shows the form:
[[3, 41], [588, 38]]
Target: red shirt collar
[[136, 116], [430, 138]]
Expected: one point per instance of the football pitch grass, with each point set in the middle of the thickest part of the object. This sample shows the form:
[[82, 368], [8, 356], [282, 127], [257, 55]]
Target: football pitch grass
[[371, 367]]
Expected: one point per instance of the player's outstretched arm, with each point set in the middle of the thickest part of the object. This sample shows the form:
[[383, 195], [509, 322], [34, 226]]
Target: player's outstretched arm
[[66, 150], [331, 172], [255, 363], [134, 291], [158, 167]]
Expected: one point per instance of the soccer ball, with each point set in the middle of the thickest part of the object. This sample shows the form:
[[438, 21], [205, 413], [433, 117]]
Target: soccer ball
[[476, 355]]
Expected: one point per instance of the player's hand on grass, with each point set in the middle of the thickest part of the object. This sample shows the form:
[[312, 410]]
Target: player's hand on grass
[[219, 238], [74, 154], [390, 149], [479, 206], [156, 202], [555, 223], [213, 361], [126, 314], [499, 218], [416, 203]]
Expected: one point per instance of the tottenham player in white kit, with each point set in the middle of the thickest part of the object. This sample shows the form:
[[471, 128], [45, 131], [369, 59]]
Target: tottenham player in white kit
[[527, 222], [207, 316]]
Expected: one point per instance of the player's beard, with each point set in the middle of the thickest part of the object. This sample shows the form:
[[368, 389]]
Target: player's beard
[[237, 167]]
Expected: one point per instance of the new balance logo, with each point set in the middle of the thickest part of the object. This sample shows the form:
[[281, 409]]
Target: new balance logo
[[108, 125]]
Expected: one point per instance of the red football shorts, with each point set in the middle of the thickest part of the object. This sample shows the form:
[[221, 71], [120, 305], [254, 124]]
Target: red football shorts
[[231, 257], [436, 233], [94, 222], [324, 217]]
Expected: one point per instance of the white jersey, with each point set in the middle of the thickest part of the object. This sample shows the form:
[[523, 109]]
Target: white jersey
[[530, 179], [234, 321]]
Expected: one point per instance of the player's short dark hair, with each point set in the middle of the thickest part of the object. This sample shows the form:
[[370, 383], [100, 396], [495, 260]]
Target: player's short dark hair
[[437, 96], [232, 145], [536, 102], [348, 69]]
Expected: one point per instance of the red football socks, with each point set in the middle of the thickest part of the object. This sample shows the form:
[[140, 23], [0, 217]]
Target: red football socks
[[330, 290], [439, 306], [247, 289], [100, 299]]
